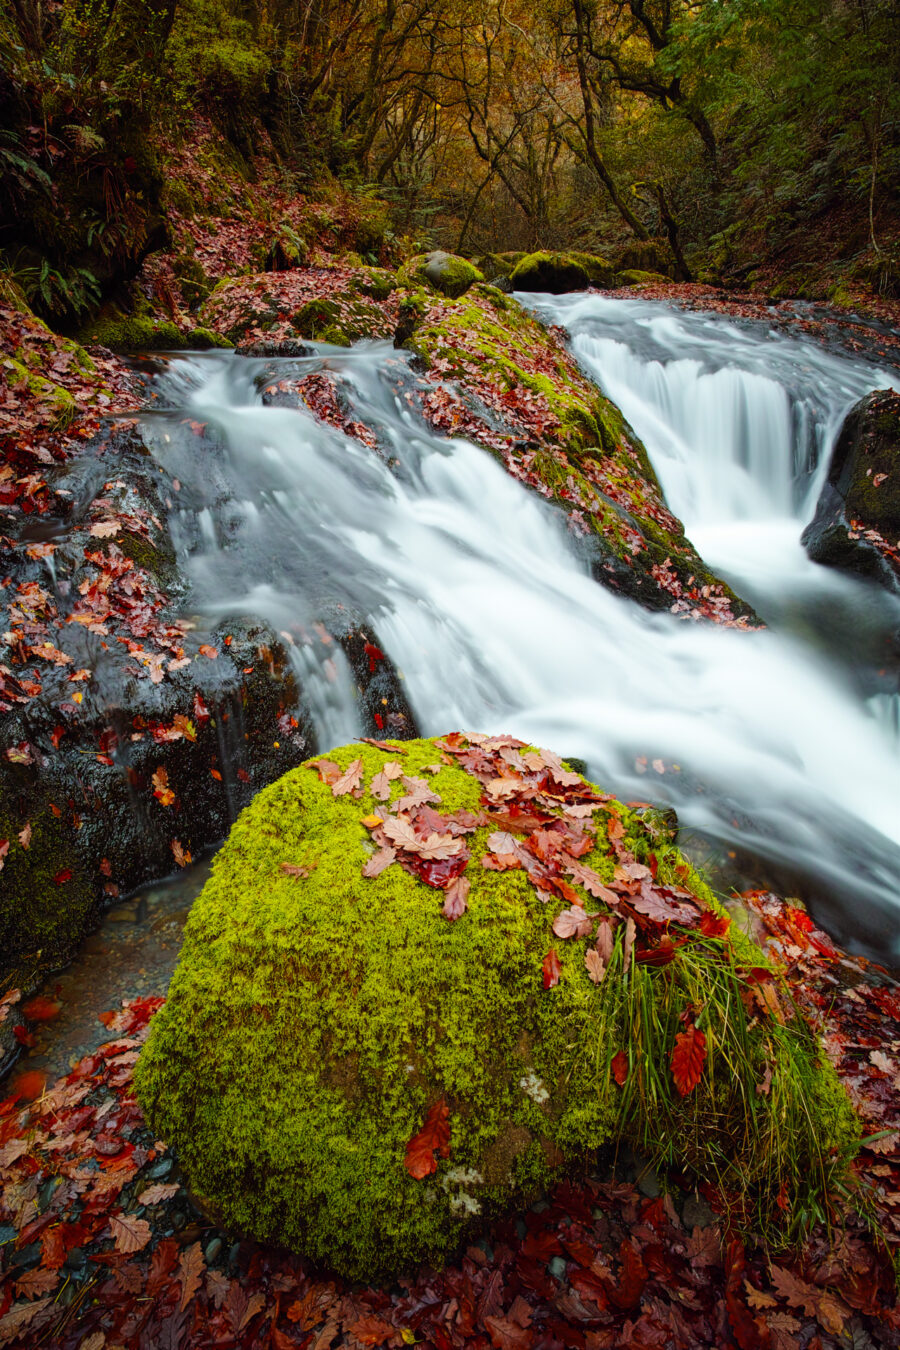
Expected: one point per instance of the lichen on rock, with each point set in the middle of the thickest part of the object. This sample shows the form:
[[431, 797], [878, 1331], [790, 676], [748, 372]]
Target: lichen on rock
[[337, 1018]]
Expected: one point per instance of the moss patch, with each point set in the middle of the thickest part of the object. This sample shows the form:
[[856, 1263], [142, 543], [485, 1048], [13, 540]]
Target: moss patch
[[553, 273], [132, 333], [314, 1020]]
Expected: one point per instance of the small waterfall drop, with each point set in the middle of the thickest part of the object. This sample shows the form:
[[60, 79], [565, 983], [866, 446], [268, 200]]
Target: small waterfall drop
[[476, 592]]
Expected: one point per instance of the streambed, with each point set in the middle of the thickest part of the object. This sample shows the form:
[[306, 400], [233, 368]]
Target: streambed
[[781, 745]]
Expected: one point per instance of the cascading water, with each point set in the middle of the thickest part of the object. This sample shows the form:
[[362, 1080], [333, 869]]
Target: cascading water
[[478, 595]]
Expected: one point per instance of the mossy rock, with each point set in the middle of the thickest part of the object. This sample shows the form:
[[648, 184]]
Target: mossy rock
[[20, 377], [633, 276], [344, 318], [375, 282], [549, 273], [442, 272], [46, 901], [132, 333], [600, 271], [317, 1017], [861, 496], [203, 339], [653, 255]]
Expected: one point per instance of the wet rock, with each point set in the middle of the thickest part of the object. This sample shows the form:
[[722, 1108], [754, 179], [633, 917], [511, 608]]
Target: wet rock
[[856, 525], [696, 1213], [440, 271], [549, 273]]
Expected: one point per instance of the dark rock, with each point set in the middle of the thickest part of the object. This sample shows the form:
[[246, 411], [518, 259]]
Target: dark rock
[[856, 526], [550, 273]]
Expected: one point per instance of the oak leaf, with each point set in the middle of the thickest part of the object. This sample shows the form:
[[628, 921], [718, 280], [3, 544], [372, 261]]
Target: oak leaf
[[349, 781], [191, 1266], [436, 846], [594, 964], [378, 862], [572, 922], [456, 902], [131, 1235]]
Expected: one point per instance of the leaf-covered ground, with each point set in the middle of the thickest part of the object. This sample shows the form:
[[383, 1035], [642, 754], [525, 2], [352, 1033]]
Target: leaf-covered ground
[[100, 1245]]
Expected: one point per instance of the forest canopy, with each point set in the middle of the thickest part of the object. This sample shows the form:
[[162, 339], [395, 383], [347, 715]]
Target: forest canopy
[[736, 131]]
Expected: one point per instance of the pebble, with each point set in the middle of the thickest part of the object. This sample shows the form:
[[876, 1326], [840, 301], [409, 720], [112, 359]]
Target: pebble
[[648, 1182], [696, 1213], [212, 1250], [557, 1267], [160, 1169]]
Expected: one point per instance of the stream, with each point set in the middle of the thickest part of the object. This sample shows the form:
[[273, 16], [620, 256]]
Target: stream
[[780, 748]]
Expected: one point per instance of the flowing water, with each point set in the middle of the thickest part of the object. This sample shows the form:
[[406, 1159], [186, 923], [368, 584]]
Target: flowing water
[[782, 743]]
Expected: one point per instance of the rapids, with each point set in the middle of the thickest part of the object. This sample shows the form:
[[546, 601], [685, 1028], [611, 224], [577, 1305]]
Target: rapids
[[781, 744]]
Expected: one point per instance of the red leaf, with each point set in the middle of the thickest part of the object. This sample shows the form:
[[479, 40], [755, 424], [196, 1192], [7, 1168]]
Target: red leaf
[[619, 1067], [714, 925], [371, 1330], [434, 1137], [62, 877], [40, 1009], [688, 1058], [456, 902], [374, 654], [552, 969]]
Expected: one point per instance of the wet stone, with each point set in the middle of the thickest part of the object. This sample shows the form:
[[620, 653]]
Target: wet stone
[[696, 1213], [212, 1251], [557, 1267]]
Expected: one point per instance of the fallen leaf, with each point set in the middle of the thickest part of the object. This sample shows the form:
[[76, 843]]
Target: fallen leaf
[[433, 1138], [619, 1066], [552, 969], [572, 922], [349, 781], [456, 901], [191, 1266], [436, 846], [131, 1234], [595, 967], [294, 869], [378, 862], [156, 1194], [688, 1059]]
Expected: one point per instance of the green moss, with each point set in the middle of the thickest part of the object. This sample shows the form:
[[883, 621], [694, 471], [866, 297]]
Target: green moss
[[46, 902], [132, 333], [312, 1022], [442, 272], [375, 282]]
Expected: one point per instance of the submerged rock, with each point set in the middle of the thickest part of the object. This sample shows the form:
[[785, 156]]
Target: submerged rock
[[363, 1054], [857, 521]]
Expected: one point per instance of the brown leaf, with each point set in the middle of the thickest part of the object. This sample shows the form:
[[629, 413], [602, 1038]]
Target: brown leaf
[[590, 880], [25, 835], [181, 855], [572, 923], [436, 846], [456, 903], [191, 1266], [131, 1235], [371, 1330], [328, 771], [595, 967], [37, 1282], [349, 781], [293, 869], [418, 792], [378, 862], [507, 1335], [381, 783], [155, 1195]]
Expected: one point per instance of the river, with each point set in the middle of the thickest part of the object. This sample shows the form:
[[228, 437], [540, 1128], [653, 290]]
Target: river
[[781, 744]]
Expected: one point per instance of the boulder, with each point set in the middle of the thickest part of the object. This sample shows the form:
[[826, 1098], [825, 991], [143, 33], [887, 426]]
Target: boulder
[[398, 1010], [550, 273], [443, 272], [645, 255], [857, 521]]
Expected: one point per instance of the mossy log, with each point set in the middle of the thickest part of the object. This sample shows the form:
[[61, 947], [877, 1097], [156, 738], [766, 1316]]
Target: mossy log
[[318, 1017]]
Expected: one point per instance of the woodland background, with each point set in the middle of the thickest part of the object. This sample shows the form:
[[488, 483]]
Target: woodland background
[[757, 140]]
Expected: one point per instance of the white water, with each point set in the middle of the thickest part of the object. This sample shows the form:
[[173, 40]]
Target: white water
[[481, 600]]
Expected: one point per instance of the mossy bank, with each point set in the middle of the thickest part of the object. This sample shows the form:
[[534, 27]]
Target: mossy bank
[[317, 1016]]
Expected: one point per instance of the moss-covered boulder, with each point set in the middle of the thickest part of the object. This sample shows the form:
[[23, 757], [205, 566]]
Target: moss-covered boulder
[[857, 521], [442, 272], [633, 276], [398, 1009], [549, 273]]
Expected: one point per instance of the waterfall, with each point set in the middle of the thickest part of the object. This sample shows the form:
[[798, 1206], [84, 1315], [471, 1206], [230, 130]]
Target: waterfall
[[476, 593]]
